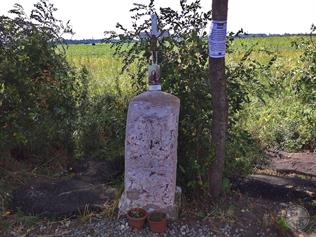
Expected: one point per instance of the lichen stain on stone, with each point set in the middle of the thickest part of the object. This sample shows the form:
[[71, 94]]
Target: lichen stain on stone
[[133, 195]]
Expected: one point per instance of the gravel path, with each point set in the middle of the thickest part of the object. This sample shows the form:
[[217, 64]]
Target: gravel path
[[101, 227]]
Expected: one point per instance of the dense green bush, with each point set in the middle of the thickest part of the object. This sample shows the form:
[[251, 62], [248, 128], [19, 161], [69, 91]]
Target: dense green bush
[[39, 91], [101, 130]]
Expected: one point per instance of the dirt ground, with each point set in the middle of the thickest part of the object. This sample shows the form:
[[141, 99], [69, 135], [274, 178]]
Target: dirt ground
[[237, 213]]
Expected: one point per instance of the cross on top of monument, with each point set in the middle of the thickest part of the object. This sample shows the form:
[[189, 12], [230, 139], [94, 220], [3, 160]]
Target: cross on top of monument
[[154, 36], [154, 33]]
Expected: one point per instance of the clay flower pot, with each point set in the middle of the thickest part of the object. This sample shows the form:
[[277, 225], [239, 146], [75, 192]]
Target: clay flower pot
[[157, 222], [136, 218]]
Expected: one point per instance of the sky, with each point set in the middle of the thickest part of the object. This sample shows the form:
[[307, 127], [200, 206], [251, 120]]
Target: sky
[[90, 19]]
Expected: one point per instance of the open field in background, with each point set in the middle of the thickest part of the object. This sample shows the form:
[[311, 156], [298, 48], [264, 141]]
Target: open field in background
[[265, 47], [281, 44], [104, 68]]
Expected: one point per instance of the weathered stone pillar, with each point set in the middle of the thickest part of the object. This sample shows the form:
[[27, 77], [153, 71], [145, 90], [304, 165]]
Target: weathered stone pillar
[[151, 153]]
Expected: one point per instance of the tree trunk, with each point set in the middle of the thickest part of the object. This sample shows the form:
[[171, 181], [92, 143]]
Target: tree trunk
[[220, 108]]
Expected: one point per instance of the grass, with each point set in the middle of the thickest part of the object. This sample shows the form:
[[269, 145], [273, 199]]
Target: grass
[[282, 223], [104, 68], [276, 43], [264, 48]]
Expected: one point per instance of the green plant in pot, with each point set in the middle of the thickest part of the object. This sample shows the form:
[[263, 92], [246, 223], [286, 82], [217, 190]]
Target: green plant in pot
[[136, 218], [157, 222]]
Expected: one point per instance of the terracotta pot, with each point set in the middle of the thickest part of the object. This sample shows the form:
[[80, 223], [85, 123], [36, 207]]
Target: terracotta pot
[[135, 221], [157, 222]]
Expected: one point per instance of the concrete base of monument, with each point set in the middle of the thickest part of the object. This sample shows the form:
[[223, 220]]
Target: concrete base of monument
[[172, 211]]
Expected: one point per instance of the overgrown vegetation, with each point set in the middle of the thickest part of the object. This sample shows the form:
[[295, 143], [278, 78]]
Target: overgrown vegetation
[[282, 115], [54, 102], [102, 127], [39, 90], [47, 104]]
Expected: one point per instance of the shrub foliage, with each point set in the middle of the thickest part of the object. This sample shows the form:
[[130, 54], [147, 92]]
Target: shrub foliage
[[39, 91]]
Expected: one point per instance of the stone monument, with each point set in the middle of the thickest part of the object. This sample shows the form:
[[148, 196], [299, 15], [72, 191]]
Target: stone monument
[[151, 142]]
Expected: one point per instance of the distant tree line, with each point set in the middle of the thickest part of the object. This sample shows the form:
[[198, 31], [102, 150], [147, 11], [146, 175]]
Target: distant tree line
[[89, 41], [243, 35]]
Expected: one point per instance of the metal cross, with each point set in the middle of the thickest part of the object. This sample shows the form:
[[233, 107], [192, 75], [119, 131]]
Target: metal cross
[[154, 68]]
